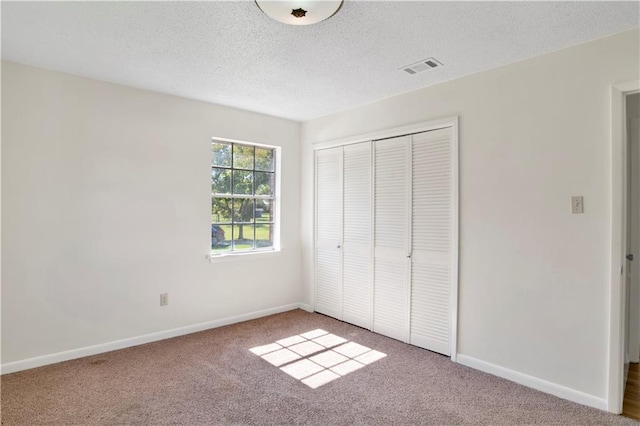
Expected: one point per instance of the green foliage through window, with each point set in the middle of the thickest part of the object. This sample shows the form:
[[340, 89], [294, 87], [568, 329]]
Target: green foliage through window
[[242, 197]]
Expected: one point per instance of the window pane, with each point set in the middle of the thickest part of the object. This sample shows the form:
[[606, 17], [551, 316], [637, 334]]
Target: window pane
[[243, 237], [221, 209], [221, 154], [264, 183], [264, 211], [243, 182], [264, 236], [242, 157], [242, 210], [264, 159], [220, 237], [220, 181]]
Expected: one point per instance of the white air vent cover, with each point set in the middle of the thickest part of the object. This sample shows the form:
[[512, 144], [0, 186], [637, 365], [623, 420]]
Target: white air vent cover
[[423, 65]]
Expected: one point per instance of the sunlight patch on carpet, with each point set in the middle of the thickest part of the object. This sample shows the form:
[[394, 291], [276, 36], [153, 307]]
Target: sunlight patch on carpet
[[317, 357]]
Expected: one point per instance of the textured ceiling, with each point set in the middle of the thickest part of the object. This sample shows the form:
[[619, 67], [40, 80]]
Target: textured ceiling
[[230, 53]]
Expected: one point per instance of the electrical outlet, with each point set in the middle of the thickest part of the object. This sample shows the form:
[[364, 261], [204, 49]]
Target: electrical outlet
[[164, 299]]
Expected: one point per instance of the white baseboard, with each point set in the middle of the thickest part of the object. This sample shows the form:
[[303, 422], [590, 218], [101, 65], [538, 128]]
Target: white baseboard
[[306, 307], [39, 361], [534, 382]]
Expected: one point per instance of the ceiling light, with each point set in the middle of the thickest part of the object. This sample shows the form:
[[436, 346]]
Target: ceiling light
[[299, 12]]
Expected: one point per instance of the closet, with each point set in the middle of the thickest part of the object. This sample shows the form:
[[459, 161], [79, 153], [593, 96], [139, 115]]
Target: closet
[[386, 236]]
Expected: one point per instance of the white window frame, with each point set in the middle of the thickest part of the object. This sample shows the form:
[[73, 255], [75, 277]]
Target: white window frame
[[216, 256]]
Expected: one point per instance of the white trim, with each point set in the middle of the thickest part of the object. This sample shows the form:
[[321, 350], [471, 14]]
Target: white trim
[[39, 361], [627, 86], [534, 382], [455, 219], [616, 308], [615, 374], [243, 142], [306, 308], [372, 259], [409, 229], [277, 220], [341, 231], [238, 255], [314, 240], [391, 133]]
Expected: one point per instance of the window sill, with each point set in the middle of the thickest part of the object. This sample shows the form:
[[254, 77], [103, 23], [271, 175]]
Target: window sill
[[235, 256]]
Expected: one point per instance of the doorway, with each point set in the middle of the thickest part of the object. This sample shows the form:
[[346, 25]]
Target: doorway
[[621, 299], [624, 305]]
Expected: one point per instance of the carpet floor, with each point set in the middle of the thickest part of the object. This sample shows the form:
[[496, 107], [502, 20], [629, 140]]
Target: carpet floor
[[343, 375]]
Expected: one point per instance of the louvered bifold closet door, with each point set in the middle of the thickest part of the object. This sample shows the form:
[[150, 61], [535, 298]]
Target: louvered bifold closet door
[[328, 270], [391, 192], [356, 252], [431, 246]]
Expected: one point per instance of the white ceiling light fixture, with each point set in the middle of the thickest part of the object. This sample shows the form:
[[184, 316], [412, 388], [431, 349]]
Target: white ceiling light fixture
[[299, 12]]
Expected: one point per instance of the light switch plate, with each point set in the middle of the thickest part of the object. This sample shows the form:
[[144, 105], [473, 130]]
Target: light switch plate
[[577, 204]]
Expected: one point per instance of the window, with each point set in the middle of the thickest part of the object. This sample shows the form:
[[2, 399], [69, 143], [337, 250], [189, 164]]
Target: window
[[243, 202]]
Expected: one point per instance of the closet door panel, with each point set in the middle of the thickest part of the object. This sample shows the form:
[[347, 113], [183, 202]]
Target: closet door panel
[[390, 298], [328, 270], [431, 240], [391, 238], [357, 235], [357, 290]]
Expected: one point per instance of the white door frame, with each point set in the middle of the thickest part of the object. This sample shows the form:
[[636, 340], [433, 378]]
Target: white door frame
[[615, 391]]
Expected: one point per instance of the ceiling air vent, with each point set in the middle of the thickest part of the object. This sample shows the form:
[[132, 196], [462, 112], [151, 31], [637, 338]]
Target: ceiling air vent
[[423, 65]]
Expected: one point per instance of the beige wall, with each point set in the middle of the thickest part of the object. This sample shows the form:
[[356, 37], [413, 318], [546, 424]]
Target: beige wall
[[106, 204], [534, 295]]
